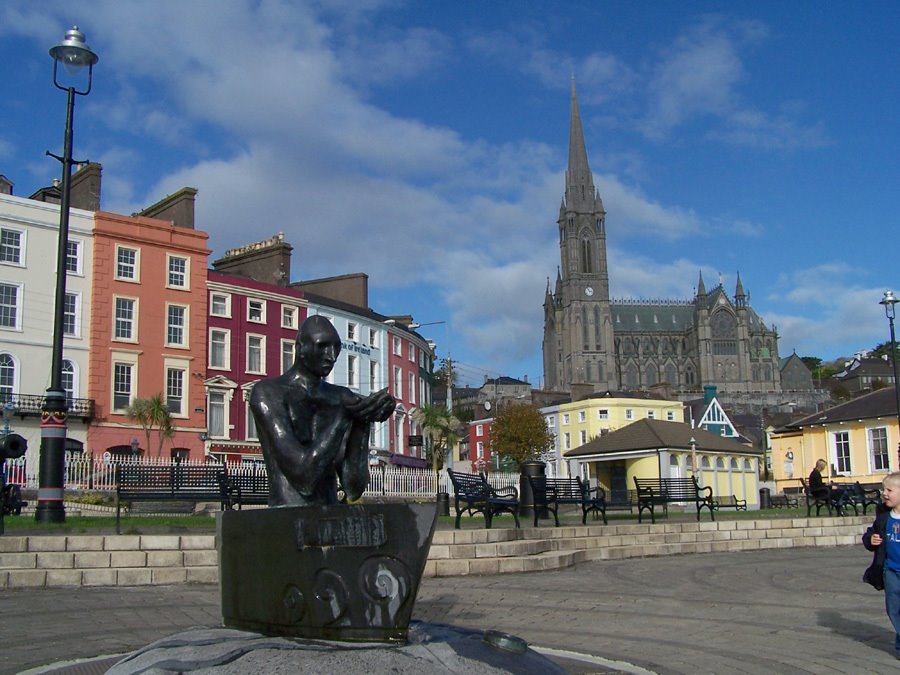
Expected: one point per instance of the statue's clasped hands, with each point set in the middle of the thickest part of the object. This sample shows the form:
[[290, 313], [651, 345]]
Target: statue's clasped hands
[[376, 407]]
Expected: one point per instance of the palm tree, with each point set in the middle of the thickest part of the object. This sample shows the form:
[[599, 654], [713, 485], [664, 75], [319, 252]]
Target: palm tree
[[149, 413], [441, 429]]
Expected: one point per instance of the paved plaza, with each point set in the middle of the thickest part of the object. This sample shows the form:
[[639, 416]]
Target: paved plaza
[[776, 611]]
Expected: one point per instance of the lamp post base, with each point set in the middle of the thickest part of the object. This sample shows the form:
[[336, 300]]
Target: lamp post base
[[51, 469]]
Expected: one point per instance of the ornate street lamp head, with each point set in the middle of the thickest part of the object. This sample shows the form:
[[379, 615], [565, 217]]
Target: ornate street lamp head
[[888, 301], [75, 55]]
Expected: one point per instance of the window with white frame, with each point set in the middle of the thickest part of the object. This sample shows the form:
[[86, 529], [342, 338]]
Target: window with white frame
[[10, 316], [176, 325], [651, 414], [216, 415], [842, 451], [582, 416], [629, 414], [670, 415], [287, 355], [373, 375], [68, 379], [71, 307], [256, 310], [567, 441], [412, 387], [178, 272], [73, 256], [398, 435], [252, 434], [551, 421], [220, 304], [565, 418], [479, 430], [352, 372], [479, 450], [412, 352], [602, 414], [256, 354], [373, 337], [11, 246], [398, 350], [175, 391], [398, 383], [127, 263], [219, 348], [878, 449], [583, 436], [125, 320], [351, 331], [122, 385], [7, 377], [288, 316]]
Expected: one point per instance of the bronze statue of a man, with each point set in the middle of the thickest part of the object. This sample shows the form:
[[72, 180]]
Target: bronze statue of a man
[[311, 431]]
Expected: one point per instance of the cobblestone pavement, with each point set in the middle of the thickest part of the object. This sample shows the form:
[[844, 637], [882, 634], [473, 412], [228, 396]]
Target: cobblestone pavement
[[777, 611]]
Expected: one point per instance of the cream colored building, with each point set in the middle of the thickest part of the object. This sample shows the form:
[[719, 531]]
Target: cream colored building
[[857, 439], [653, 448]]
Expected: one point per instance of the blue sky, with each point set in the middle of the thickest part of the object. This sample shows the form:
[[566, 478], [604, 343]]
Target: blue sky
[[425, 144]]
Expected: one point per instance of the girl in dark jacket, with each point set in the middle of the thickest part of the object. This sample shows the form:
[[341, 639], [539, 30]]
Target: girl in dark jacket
[[883, 537]]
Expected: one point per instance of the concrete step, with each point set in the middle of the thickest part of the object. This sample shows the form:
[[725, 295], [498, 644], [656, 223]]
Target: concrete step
[[78, 560]]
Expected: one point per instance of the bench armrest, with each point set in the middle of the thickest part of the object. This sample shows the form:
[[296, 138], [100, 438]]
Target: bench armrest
[[504, 492]]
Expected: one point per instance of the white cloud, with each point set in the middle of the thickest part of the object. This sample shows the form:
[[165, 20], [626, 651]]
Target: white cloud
[[824, 308], [700, 77], [636, 214]]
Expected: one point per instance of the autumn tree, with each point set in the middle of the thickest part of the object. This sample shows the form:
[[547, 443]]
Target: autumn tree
[[519, 432], [152, 413]]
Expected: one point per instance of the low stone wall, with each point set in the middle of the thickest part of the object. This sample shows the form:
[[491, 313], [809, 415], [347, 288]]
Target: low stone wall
[[133, 560]]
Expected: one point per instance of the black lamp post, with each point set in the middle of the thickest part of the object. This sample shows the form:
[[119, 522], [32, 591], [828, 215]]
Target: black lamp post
[[74, 54], [889, 301]]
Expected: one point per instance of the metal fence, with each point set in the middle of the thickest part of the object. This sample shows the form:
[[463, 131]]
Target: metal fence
[[99, 474]]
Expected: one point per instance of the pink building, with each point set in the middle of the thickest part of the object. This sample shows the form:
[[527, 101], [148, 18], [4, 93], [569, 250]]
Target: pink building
[[148, 327], [409, 367], [252, 328]]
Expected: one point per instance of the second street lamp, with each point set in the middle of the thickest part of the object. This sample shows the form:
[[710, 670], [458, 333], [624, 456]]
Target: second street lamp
[[74, 54], [889, 301]]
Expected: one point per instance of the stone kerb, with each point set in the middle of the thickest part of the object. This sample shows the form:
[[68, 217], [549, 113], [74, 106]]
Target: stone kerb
[[167, 559]]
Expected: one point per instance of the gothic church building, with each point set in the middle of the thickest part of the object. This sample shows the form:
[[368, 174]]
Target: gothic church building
[[594, 343]]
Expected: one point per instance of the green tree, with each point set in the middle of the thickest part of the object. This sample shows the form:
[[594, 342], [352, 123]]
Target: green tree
[[520, 433], [152, 413], [441, 429]]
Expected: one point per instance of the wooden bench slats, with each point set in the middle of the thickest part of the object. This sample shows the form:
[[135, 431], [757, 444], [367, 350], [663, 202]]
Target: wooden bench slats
[[549, 493], [473, 494], [653, 492]]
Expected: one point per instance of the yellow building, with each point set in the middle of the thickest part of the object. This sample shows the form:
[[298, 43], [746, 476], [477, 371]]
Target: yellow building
[[652, 448], [857, 439], [574, 424]]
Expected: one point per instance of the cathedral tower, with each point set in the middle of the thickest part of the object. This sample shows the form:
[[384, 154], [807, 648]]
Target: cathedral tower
[[578, 332]]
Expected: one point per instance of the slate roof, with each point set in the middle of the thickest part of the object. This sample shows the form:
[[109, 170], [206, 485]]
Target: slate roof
[[652, 434], [879, 403], [665, 316]]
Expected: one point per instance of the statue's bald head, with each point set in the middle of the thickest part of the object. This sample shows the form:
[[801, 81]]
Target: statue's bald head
[[318, 345]]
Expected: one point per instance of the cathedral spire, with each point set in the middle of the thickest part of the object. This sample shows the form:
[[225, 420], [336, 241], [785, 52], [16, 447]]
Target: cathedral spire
[[580, 192], [739, 298], [701, 287]]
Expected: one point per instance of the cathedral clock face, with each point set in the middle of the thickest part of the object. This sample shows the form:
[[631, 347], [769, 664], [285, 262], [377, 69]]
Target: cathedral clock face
[[589, 291]]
